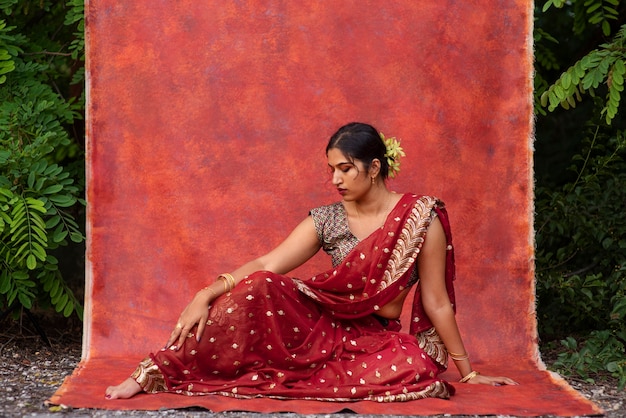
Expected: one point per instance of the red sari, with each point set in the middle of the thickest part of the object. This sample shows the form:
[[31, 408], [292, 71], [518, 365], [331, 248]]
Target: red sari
[[319, 338]]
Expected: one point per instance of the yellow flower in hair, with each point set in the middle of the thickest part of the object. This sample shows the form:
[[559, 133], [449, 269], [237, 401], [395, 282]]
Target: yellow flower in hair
[[393, 154]]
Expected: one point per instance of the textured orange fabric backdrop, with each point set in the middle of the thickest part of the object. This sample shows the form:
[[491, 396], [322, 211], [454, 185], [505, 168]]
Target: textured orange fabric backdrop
[[207, 123]]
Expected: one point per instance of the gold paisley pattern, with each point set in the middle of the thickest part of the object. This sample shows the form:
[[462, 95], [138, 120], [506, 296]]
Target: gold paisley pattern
[[149, 377], [431, 343], [410, 241]]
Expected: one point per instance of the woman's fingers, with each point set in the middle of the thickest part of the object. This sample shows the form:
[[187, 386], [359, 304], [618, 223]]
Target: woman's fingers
[[201, 326], [491, 380], [183, 334], [507, 381], [173, 336], [500, 380], [192, 315]]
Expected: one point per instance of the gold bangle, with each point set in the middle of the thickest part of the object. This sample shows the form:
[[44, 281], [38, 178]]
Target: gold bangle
[[225, 283], [233, 282], [458, 357], [229, 281], [469, 376]]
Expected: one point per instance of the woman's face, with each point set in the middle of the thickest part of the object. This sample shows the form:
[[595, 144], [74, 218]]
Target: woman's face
[[350, 178]]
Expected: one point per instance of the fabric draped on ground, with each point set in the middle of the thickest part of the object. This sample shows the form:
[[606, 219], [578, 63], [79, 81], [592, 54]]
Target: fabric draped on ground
[[296, 350]]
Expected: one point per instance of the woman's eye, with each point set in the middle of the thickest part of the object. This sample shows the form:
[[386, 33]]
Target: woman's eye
[[343, 169]]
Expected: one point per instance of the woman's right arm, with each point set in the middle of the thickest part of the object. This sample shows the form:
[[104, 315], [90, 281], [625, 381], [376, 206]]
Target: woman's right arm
[[301, 244]]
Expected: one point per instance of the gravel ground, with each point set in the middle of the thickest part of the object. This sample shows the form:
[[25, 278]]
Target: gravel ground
[[31, 371]]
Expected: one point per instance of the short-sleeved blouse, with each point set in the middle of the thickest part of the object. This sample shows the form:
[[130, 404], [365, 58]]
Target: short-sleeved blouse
[[331, 224]]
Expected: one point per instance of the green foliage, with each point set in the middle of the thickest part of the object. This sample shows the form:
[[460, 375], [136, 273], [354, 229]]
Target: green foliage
[[41, 168], [581, 254], [581, 229], [600, 353], [602, 68], [595, 12]]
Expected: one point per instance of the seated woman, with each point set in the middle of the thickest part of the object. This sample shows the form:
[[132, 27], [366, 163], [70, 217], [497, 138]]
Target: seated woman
[[336, 336]]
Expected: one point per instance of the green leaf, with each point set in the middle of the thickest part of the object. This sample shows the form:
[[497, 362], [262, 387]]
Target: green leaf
[[566, 80], [560, 93], [12, 294], [50, 267], [25, 300], [69, 308], [20, 275], [55, 290], [6, 192], [547, 5], [587, 293], [59, 235], [53, 189], [77, 237], [31, 262], [61, 302], [31, 179], [40, 183], [5, 284], [53, 221]]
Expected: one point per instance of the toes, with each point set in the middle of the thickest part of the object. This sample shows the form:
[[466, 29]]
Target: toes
[[108, 394]]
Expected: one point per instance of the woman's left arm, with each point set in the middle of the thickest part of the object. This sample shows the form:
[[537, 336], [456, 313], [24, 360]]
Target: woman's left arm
[[431, 264]]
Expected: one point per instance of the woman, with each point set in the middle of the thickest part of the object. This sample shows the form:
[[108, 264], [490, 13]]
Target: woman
[[336, 336]]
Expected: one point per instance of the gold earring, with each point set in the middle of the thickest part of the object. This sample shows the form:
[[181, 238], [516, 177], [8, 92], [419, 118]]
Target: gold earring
[[373, 180]]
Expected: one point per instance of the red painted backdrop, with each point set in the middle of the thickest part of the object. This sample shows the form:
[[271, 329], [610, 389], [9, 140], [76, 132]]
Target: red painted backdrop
[[207, 123]]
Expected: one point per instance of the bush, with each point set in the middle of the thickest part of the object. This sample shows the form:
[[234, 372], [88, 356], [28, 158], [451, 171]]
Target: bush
[[41, 164], [581, 261]]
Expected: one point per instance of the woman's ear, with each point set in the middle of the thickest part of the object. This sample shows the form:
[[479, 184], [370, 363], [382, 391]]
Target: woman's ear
[[374, 168]]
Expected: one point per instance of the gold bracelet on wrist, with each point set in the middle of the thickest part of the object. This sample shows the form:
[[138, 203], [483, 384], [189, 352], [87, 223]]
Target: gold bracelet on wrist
[[229, 281], [233, 282], [469, 376], [225, 283], [211, 291]]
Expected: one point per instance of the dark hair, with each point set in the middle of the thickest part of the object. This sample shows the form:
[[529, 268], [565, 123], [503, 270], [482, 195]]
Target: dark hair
[[362, 142]]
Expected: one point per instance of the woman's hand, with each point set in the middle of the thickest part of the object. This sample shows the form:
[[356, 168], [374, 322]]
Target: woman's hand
[[491, 380], [197, 312]]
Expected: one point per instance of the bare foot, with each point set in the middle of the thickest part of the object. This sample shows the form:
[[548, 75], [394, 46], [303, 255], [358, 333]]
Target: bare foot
[[127, 389]]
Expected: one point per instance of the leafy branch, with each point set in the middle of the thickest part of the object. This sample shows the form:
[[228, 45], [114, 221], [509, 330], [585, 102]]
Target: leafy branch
[[40, 196]]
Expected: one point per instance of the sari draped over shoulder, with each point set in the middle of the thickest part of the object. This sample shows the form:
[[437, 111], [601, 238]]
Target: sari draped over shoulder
[[320, 338]]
